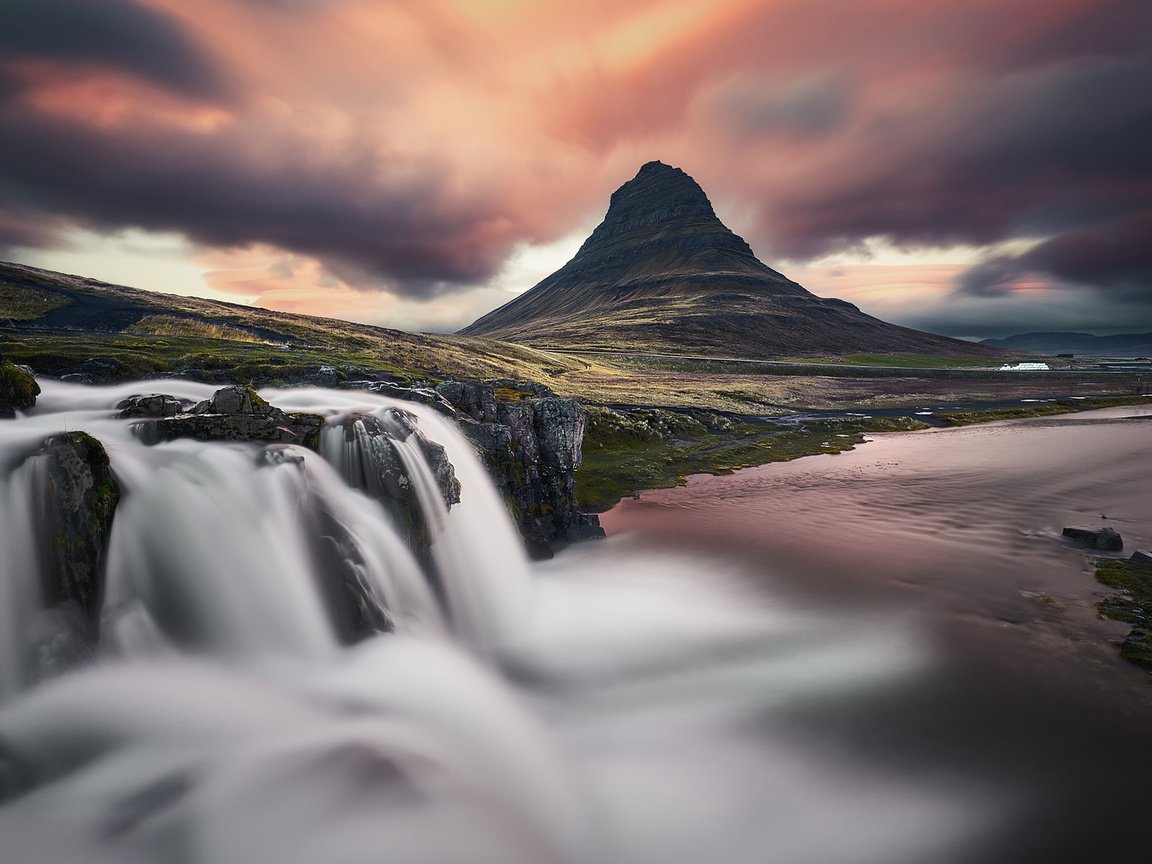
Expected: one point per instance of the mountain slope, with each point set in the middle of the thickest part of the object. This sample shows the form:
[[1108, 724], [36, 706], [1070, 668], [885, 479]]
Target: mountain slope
[[663, 273], [1122, 345], [55, 321]]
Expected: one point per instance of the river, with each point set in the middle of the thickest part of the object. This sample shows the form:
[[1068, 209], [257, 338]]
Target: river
[[956, 532], [883, 656]]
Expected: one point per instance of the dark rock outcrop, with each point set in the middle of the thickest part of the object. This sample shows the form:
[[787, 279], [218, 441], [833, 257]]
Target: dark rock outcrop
[[531, 445], [373, 461], [1140, 557], [18, 390], [1104, 539], [663, 273], [422, 395], [80, 498], [376, 467], [150, 405], [357, 613], [235, 414]]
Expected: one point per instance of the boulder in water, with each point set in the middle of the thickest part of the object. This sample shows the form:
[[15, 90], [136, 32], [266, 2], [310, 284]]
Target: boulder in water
[[373, 462], [80, 498], [18, 390], [150, 405], [1140, 557], [380, 469], [1104, 539], [236, 414]]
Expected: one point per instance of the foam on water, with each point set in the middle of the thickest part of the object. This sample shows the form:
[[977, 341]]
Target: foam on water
[[613, 705]]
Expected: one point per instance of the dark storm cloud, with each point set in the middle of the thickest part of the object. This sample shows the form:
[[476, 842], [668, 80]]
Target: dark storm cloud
[[1116, 256], [1039, 151], [115, 34], [1112, 262], [220, 190]]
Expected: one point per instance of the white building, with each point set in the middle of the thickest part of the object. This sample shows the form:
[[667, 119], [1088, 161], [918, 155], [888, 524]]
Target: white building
[[1024, 367]]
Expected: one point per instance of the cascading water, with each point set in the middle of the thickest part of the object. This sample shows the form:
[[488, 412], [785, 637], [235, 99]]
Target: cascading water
[[613, 705]]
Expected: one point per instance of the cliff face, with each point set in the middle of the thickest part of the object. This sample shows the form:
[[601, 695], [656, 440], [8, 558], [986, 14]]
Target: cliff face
[[530, 441], [663, 273]]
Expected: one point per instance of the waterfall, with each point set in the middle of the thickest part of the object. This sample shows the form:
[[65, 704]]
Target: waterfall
[[586, 710], [20, 594]]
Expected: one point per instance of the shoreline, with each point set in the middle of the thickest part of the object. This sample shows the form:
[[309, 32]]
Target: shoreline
[[878, 525], [660, 454]]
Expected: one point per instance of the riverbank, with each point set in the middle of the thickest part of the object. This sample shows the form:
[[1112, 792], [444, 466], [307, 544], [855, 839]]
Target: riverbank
[[961, 521], [956, 533], [628, 449]]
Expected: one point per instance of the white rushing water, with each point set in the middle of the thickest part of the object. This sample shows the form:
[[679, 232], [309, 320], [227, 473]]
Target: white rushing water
[[615, 705]]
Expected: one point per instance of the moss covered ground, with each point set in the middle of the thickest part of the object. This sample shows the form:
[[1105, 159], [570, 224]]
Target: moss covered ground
[[1039, 409], [1132, 604], [629, 450]]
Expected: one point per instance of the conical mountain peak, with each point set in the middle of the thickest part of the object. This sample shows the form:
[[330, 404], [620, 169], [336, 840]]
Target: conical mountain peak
[[662, 203], [663, 273]]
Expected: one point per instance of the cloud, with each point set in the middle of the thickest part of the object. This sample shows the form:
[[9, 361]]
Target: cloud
[[113, 34], [412, 148], [1100, 270]]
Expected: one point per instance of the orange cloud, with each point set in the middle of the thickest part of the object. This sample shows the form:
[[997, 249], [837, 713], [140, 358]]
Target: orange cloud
[[413, 147]]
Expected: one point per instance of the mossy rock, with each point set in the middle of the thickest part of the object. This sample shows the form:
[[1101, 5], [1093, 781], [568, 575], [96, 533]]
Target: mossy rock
[[82, 495], [1132, 604], [18, 390], [1137, 648]]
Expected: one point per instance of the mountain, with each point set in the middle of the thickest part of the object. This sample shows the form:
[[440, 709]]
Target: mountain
[[662, 273], [1123, 345]]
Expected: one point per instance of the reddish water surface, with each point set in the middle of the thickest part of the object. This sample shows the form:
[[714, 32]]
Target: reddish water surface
[[959, 529]]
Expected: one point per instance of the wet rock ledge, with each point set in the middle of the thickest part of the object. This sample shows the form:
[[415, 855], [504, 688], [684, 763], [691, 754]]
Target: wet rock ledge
[[530, 440]]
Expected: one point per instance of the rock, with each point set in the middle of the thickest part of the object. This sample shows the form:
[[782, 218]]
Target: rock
[[80, 500], [1104, 539], [102, 368], [61, 638], [235, 414], [422, 395], [234, 400], [1140, 557], [325, 376], [150, 405], [471, 398], [1137, 647], [531, 450], [372, 462], [18, 390], [356, 612]]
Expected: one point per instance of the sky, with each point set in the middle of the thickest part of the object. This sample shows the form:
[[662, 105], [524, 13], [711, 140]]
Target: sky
[[970, 167]]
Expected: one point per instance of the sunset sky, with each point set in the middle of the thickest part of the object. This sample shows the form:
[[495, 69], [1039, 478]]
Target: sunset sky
[[972, 167]]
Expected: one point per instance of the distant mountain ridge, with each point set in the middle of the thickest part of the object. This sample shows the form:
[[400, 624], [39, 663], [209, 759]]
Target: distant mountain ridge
[[663, 273], [1122, 345]]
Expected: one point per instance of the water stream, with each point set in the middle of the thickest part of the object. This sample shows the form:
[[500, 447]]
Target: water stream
[[644, 699]]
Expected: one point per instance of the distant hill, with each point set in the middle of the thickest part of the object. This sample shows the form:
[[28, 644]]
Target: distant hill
[[55, 321], [662, 273], [1125, 345]]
